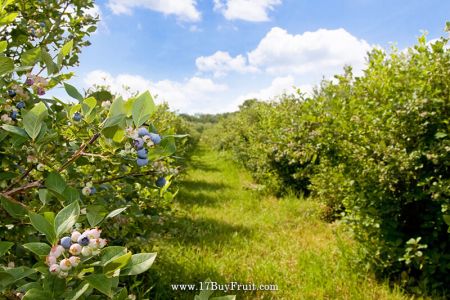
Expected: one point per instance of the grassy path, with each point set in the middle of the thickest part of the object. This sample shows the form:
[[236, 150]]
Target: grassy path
[[226, 232]]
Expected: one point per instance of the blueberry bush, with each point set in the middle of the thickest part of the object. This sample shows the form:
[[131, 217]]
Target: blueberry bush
[[374, 149], [69, 167]]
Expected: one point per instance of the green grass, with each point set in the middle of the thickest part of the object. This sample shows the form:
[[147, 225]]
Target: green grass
[[226, 232]]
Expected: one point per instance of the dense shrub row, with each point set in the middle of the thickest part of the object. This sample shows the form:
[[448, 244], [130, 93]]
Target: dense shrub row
[[374, 148]]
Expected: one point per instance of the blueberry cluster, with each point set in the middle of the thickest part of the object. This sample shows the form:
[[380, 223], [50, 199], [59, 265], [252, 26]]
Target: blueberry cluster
[[144, 136], [72, 248]]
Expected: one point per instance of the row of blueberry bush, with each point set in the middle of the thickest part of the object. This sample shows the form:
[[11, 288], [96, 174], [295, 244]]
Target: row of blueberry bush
[[374, 149]]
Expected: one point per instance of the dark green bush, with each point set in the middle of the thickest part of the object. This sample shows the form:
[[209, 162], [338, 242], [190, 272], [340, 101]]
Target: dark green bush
[[374, 149]]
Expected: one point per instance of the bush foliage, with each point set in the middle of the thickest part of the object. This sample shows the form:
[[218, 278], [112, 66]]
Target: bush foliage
[[68, 167], [374, 149]]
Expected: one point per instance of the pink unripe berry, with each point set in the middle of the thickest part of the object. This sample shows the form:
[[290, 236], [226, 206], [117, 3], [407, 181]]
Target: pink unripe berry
[[65, 265], [75, 236], [86, 251], [50, 260], [74, 260], [75, 249], [54, 269], [103, 243], [56, 251], [93, 233]]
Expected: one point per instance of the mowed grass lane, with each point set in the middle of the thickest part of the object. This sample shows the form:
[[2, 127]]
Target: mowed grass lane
[[226, 232]]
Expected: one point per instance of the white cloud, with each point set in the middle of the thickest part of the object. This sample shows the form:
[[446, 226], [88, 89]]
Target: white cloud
[[185, 10], [220, 63], [322, 52], [278, 86], [247, 10], [311, 55], [192, 95]]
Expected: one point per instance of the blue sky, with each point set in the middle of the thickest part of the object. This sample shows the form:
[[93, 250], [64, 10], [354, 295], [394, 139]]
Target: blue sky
[[210, 55]]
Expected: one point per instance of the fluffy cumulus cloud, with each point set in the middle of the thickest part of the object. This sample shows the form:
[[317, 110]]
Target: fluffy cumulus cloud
[[322, 52], [192, 95], [221, 63], [185, 10], [247, 10], [311, 54], [277, 87]]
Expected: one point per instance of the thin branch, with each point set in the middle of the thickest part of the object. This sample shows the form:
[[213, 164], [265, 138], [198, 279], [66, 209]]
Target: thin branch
[[38, 183], [124, 176]]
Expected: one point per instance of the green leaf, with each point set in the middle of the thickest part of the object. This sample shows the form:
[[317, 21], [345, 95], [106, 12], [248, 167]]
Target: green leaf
[[18, 273], [33, 120], [117, 108], [88, 106], [95, 214], [110, 253], [113, 121], [6, 65], [116, 264], [440, 135], [143, 108], [168, 146], [73, 92], [55, 182], [447, 219], [8, 18], [43, 226], [15, 130], [77, 293], [4, 247], [5, 279], [48, 60], [31, 57], [70, 195], [66, 218], [65, 50], [15, 210], [101, 283], [40, 249], [122, 295], [3, 46], [116, 212], [37, 294], [139, 263], [43, 196]]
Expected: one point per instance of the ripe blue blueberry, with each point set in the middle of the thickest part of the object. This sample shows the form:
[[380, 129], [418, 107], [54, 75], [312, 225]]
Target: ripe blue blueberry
[[77, 116], [93, 190], [83, 240], [142, 131], [13, 115], [66, 242], [12, 93], [160, 182], [20, 105], [138, 143], [42, 24], [142, 162], [156, 138], [142, 153]]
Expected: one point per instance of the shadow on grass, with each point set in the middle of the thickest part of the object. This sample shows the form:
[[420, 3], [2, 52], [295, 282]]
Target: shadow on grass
[[197, 193], [174, 267], [166, 272], [203, 231]]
